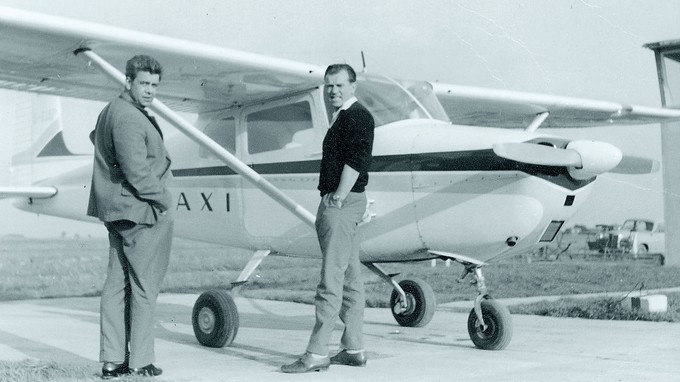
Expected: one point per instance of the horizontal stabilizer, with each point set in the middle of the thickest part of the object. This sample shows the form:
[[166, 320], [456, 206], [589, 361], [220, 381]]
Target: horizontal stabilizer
[[27, 192]]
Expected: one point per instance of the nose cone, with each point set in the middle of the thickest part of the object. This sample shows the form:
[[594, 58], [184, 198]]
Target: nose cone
[[596, 158]]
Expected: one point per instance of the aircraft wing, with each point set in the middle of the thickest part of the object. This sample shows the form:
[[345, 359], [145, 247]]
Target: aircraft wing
[[466, 105], [38, 56]]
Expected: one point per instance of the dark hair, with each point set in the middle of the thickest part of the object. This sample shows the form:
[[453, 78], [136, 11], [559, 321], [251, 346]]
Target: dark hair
[[337, 68], [142, 63]]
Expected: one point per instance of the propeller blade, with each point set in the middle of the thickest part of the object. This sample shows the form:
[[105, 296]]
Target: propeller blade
[[583, 159], [537, 154], [636, 165]]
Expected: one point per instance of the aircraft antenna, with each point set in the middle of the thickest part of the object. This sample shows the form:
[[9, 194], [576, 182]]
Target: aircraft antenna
[[363, 62]]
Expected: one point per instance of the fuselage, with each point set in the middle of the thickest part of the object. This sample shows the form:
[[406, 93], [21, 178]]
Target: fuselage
[[464, 200], [432, 186]]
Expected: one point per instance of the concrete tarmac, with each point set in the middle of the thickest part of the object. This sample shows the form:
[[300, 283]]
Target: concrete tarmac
[[275, 333]]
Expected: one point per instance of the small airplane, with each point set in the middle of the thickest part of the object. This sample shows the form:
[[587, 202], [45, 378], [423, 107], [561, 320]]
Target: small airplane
[[459, 173]]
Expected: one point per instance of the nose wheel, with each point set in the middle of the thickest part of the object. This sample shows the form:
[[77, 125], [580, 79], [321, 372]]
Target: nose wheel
[[495, 331], [489, 322]]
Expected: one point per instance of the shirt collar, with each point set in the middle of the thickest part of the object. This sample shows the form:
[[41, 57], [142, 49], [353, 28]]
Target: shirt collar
[[348, 103]]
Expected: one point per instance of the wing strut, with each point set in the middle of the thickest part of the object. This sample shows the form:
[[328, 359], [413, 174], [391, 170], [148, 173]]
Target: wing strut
[[197, 136], [538, 120]]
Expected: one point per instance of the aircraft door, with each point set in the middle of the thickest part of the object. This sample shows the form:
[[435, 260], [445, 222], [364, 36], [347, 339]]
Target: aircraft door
[[282, 140], [208, 192]]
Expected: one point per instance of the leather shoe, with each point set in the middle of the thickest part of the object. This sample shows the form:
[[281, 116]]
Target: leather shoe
[[306, 364], [148, 371], [349, 359], [114, 370]]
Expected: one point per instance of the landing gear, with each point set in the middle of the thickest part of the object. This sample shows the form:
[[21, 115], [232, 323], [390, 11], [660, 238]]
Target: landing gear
[[412, 301], [489, 322], [495, 331], [215, 319], [215, 316], [419, 306]]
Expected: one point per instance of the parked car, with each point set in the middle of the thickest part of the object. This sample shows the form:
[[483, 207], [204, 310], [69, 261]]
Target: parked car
[[641, 237]]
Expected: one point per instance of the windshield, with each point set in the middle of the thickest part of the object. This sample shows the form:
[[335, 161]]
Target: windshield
[[628, 225], [390, 101]]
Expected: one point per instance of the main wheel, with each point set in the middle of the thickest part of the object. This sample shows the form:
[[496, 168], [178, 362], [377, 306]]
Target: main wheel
[[420, 303], [498, 331], [215, 319]]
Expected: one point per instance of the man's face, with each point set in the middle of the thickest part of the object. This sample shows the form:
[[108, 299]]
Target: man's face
[[143, 87], [338, 88]]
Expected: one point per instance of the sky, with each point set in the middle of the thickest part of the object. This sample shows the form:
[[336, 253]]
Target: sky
[[588, 49]]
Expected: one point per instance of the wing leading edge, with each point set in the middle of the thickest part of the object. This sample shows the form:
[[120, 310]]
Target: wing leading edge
[[466, 105], [38, 57]]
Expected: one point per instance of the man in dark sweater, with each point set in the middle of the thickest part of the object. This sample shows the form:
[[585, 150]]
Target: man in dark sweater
[[343, 177]]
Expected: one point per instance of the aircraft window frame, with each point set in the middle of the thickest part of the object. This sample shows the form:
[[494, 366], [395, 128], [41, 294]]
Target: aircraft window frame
[[225, 140], [628, 225], [302, 147], [390, 100]]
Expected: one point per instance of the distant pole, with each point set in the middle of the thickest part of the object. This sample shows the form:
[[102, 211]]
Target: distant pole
[[670, 154], [670, 159]]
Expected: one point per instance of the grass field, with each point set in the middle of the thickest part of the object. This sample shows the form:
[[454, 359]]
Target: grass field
[[60, 268]]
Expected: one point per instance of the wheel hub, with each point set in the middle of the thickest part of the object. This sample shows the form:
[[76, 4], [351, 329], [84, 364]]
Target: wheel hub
[[487, 330], [206, 320], [405, 307]]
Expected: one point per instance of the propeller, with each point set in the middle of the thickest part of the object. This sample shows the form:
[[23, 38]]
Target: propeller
[[537, 154], [633, 165], [583, 159]]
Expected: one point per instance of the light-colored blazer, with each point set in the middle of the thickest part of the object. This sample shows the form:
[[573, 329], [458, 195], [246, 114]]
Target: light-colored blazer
[[131, 165]]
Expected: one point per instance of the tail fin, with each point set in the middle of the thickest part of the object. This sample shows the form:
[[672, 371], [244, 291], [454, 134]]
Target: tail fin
[[38, 140]]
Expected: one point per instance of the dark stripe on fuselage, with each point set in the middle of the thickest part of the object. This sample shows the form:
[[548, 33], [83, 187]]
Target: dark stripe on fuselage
[[474, 160]]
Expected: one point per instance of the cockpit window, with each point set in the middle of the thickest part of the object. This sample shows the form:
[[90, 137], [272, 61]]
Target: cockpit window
[[390, 101], [283, 127], [222, 131]]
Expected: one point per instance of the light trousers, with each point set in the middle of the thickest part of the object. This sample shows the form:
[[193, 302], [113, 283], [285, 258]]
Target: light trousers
[[139, 255], [340, 292]]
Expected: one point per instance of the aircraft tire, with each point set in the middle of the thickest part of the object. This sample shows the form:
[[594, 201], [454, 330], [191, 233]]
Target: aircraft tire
[[421, 303], [215, 319], [498, 333]]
